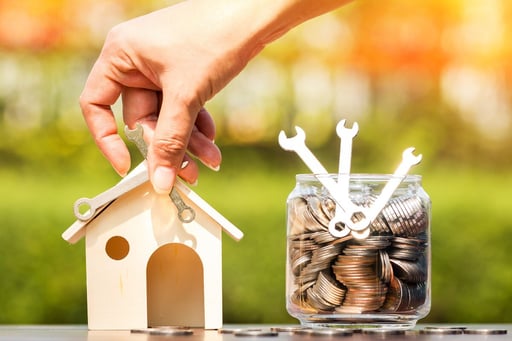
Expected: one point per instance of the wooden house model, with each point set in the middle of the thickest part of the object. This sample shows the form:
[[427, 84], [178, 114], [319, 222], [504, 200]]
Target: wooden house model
[[146, 268]]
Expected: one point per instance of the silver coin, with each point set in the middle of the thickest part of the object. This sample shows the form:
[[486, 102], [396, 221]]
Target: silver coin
[[256, 333], [442, 331], [484, 331], [411, 272], [332, 332], [227, 330], [171, 331], [385, 268], [316, 208], [304, 331], [384, 332], [286, 329]]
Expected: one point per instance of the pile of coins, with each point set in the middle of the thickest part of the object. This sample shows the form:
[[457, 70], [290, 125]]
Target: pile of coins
[[326, 332], [386, 272]]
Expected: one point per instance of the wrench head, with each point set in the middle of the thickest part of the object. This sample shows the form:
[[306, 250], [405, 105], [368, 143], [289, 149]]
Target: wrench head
[[134, 134], [342, 131], [410, 158], [83, 209], [291, 143]]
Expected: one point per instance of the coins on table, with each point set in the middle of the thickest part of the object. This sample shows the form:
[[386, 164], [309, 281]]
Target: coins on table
[[165, 330], [485, 331], [256, 333], [386, 272]]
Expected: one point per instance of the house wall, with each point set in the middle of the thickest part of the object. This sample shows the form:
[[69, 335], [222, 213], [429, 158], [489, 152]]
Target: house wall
[[117, 288]]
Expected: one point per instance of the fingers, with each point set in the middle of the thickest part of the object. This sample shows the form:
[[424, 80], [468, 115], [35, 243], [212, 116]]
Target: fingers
[[175, 123], [189, 170], [205, 124], [201, 142], [98, 95], [141, 106]]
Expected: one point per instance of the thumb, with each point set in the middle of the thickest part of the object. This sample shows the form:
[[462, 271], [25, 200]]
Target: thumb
[[170, 141]]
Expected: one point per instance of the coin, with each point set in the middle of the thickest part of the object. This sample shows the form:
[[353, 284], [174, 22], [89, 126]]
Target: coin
[[384, 332], [255, 333], [286, 329], [485, 331], [411, 272], [171, 331], [441, 330], [234, 330], [332, 332]]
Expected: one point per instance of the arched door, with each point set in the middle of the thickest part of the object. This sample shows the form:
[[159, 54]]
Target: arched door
[[175, 287]]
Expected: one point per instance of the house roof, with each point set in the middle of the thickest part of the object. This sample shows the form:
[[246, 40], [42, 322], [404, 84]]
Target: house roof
[[77, 230]]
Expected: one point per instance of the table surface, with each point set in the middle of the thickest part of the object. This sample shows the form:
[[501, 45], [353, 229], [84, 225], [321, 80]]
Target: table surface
[[73, 332]]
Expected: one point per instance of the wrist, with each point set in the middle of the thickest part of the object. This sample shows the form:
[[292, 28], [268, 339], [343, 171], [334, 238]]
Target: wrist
[[263, 21]]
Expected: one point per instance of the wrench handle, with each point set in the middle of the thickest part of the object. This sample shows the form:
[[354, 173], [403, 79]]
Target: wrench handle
[[345, 156], [92, 206], [344, 166], [186, 214], [342, 201], [390, 187]]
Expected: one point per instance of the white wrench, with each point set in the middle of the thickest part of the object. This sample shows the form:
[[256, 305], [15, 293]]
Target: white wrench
[[346, 135], [90, 207], [408, 160], [298, 145], [186, 213]]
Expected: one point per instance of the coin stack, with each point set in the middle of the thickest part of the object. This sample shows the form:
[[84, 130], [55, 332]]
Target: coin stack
[[386, 272]]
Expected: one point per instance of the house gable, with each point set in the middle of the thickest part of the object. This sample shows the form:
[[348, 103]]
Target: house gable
[[77, 230]]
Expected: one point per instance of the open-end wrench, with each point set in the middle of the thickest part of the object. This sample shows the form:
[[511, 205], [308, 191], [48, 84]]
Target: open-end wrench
[[87, 208], [186, 214], [297, 144], [346, 136], [408, 160]]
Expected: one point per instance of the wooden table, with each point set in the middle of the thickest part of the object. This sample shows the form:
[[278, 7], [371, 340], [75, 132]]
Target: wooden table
[[79, 333]]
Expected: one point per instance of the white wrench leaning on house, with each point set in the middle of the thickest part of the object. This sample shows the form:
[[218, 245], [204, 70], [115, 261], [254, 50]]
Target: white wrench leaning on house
[[87, 208]]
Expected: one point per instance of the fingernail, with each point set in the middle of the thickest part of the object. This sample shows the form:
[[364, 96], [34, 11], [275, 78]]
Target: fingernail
[[121, 173], [214, 168], [163, 179]]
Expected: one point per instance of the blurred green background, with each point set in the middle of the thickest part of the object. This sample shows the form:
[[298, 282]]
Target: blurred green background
[[434, 74]]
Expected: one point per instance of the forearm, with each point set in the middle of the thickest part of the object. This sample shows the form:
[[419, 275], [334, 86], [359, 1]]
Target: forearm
[[260, 22], [169, 63], [276, 17]]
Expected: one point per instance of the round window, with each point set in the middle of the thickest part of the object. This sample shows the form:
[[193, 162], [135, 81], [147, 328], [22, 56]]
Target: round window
[[117, 247]]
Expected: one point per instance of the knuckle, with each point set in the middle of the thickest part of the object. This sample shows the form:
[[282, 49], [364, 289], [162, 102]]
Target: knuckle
[[169, 148], [116, 35], [85, 102]]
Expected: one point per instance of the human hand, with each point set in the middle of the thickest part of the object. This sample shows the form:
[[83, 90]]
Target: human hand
[[167, 64]]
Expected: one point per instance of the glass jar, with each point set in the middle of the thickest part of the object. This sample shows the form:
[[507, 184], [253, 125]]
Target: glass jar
[[376, 279]]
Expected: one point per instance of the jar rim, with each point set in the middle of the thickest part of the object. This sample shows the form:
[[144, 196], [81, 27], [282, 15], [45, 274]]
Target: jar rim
[[359, 177]]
